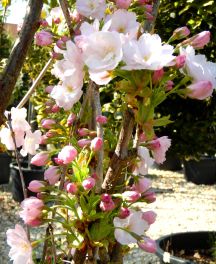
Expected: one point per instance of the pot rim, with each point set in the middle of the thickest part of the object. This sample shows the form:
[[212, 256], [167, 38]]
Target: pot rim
[[160, 252], [15, 166]]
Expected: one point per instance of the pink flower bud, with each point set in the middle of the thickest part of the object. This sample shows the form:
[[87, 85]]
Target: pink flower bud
[[180, 61], [142, 185], [76, 17], [149, 216], [55, 108], [148, 16], [169, 85], [56, 56], [157, 76], [57, 20], [123, 4], [84, 142], [43, 140], [124, 212], [180, 33], [36, 186], [101, 119], [49, 89], [144, 2], [88, 183], [131, 196], [83, 132], [50, 134], [40, 159], [142, 137], [200, 90], [52, 175], [106, 207], [149, 196], [200, 40], [43, 38], [71, 188], [44, 23], [148, 245], [105, 197], [149, 8], [96, 144], [65, 38], [48, 123], [61, 44], [71, 119], [67, 154]]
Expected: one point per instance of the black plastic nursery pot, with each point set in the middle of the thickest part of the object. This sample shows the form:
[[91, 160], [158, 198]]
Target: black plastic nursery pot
[[202, 171], [5, 160], [186, 244], [29, 174]]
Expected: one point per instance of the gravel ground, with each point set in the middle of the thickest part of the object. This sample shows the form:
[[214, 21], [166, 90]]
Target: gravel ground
[[180, 206]]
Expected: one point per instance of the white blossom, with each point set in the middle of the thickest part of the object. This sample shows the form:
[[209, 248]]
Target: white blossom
[[145, 161], [31, 143], [91, 8]]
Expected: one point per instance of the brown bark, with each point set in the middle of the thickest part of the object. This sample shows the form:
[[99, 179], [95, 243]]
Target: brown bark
[[65, 9], [15, 62]]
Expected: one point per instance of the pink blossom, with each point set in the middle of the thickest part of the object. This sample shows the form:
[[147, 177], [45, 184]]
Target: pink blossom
[[200, 40], [67, 154], [142, 185], [36, 186], [200, 90], [52, 175], [88, 183], [124, 212], [55, 108], [180, 61], [131, 196], [180, 33], [61, 44], [71, 188], [101, 119], [105, 197], [149, 216], [21, 249], [149, 196], [71, 118], [96, 144], [123, 4], [31, 143], [48, 123], [133, 223], [159, 147], [169, 85], [32, 211], [157, 76], [83, 142], [148, 245], [7, 140], [83, 132], [43, 38], [40, 159], [107, 206], [49, 89]]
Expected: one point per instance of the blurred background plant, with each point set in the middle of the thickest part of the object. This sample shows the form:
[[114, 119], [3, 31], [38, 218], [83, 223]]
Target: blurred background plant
[[194, 128]]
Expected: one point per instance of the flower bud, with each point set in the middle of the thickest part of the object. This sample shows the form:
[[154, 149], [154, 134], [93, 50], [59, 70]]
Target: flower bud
[[142, 137], [65, 38], [124, 212], [148, 16], [71, 188], [83, 142], [67, 154], [180, 61], [149, 216], [123, 4], [149, 196], [40, 159], [71, 119], [131, 196], [180, 33], [96, 144], [57, 20], [61, 44], [157, 76], [105, 197], [200, 40], [56, 56], [36, 186], [200, 90], [88, 183], [48, 123], [52, 175], [148, 245], [82, 132], [101, 119], [44, 23], [149, 8], [55, 108], [169, 85], [107, 206], [43, 38]]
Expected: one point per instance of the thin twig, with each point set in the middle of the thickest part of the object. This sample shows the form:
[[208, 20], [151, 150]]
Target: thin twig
[[65, 9], [35, 84]]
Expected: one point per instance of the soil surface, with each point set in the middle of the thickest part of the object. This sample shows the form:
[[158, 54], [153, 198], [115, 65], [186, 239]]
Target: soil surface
[[180, 206]]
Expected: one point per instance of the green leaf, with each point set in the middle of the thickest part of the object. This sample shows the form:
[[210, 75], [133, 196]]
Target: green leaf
[[100, 230], [163, 121]]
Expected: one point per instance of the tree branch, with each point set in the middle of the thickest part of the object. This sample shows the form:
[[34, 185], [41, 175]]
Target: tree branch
[[15, 62], [65, 10]]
